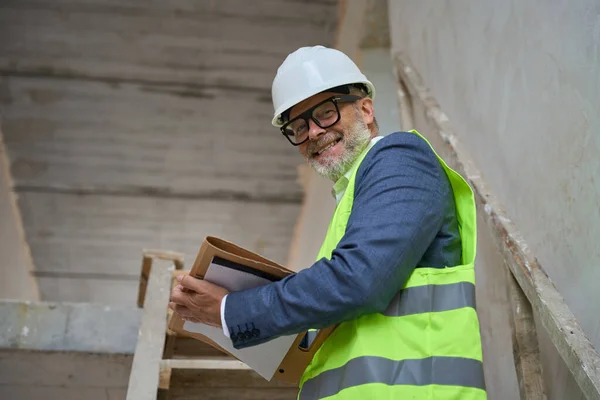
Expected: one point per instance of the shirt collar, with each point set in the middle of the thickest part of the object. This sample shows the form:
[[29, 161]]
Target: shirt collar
[[339, 188]]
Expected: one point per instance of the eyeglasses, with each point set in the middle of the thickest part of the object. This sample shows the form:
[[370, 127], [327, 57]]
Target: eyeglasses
[[324, 114]]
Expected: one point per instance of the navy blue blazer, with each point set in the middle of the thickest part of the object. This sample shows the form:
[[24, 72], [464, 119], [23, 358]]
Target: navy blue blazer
[[403, 217]]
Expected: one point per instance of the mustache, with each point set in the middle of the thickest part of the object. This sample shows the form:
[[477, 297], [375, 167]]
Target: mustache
[[329, 137]]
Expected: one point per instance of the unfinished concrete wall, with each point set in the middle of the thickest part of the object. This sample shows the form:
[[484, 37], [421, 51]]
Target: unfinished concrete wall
[[16, 281], [376, 64], [132, 125], [520, 81]]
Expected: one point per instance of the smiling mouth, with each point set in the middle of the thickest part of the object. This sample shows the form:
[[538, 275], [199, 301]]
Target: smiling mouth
[[330, 145]]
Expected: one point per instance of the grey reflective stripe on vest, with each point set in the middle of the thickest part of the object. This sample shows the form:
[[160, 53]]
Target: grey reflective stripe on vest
[[453, 371], [431, 298]]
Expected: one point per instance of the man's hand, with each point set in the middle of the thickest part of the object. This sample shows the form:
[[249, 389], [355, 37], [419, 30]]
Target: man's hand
[[196, 300]]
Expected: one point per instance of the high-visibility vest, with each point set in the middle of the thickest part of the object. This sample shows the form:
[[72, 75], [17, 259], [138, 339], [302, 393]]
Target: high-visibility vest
[[426, 345]]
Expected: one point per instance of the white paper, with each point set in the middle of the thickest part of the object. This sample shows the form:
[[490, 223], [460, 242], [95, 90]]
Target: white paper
[[263, 358]]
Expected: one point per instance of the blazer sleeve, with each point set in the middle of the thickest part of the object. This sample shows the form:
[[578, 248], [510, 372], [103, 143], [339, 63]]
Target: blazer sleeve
[[401, 192]]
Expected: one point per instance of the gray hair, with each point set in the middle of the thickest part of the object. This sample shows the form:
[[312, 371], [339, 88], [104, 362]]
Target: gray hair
[[360, 91]]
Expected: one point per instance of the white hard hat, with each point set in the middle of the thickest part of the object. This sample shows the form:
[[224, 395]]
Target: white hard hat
[[311, 70]]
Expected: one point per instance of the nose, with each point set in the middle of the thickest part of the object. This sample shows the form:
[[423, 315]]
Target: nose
[[314, 130]]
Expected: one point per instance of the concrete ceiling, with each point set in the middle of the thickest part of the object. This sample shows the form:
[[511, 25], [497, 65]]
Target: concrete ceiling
[[146, 125]]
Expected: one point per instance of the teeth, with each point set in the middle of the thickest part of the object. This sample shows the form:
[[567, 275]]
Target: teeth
[[327, 148]]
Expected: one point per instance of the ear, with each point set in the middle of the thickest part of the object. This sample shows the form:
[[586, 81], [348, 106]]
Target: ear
[[367, 110]]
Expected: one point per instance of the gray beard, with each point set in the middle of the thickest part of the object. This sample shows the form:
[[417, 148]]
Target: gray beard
[[354, 142]]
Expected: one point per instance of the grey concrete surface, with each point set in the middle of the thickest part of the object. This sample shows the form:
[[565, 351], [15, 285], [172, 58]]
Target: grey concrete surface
[[68, 327], [133, 125], [520, 81]]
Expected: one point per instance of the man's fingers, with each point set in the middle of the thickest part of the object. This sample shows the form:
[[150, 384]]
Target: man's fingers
[[183, 311], [197, 300], [179, 296], [195, 284], [179, 309]]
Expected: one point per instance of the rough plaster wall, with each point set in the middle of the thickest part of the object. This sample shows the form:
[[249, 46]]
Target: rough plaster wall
[[520, 81]]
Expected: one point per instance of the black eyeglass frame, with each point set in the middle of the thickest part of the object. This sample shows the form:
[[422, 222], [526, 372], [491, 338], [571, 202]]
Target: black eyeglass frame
[[308, 114]]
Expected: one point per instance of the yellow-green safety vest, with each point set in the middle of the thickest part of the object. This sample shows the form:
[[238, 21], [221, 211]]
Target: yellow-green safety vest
[[426, 345]]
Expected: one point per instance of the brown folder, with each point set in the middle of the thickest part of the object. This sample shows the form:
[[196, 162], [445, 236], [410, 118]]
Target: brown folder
[[297, 358]]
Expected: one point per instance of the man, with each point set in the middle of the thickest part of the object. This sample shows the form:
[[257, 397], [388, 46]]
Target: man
[[396, 267]]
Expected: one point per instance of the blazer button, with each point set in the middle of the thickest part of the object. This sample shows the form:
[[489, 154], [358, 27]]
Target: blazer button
[[247, 335], [234, 337], [255, 332]]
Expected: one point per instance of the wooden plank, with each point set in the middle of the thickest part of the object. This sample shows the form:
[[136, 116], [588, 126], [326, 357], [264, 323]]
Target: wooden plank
[[221, 376], [224, 381], [144, 377], [188, 347], [578, 353], [148, 256], [216, 375], [526, 351], [146, 140], [560, 383], [204, 42], [183, 393], [564, 330], [205, 363]]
